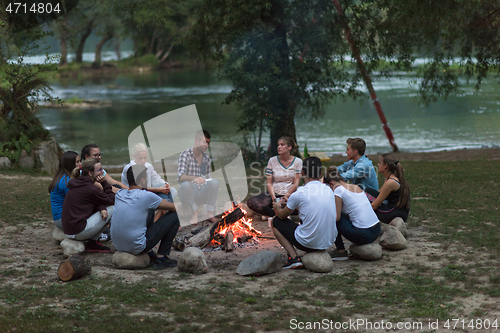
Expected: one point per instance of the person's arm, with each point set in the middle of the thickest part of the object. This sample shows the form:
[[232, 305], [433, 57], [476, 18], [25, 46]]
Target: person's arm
[[282, 213], [359, 171], [112, 181], [338, 205], [270, 186], [389, 186], [124, 175], [294, 186], [167, 205], [344, 167]]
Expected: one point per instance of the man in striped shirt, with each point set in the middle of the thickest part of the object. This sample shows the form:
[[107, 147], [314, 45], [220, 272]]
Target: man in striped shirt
[[194, 176]]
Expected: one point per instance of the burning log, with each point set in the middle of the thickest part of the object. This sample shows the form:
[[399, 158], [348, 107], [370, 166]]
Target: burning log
[[228, 243], [203, 238], [244, 238], [74, 268]]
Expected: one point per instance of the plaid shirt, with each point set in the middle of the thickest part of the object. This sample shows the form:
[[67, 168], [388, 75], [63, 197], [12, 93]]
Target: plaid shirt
[[189, 166]]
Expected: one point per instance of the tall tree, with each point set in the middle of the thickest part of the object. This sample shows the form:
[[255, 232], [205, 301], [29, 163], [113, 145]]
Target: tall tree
[[287, 58]]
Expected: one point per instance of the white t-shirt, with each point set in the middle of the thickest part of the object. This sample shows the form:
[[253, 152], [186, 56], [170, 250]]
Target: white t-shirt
[[154, 179], [358, 207], [128, 224], [317, 211], [283, 177]]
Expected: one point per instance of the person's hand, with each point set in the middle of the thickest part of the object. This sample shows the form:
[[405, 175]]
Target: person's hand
[[163, 189], [99, 179], [104, 214], [276, 205], [167, 188], [200, 180], [285, 198]]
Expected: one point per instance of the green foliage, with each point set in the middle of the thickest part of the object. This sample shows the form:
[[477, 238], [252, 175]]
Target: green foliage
[[14, 148]]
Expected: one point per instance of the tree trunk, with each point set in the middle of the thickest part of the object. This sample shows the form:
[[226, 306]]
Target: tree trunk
[[73, 268], [81, 44], [98, 48], [64, 43], [283, 123]]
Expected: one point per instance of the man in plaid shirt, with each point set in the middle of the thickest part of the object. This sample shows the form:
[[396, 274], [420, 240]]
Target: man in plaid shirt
[[193, 173]]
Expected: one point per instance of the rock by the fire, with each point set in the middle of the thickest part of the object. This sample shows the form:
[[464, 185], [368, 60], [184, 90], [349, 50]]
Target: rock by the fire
[[393, 239], [58, 235], [71, 247], [318, 261], [192, 260], [372, 251], [262, 263], [400, 225], [383, 227], [5, 163], [126, 260]]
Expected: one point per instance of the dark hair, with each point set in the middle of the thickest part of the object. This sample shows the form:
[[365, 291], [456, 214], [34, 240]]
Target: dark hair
[[87, 166], [199, 134], [288, 141], [397, 169], [135, 174], [86, 150], [312, 167], [358, 144], [66, 166], [332, 175]]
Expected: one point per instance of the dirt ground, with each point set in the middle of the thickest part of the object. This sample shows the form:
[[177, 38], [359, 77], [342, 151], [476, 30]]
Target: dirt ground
[[31, 243]]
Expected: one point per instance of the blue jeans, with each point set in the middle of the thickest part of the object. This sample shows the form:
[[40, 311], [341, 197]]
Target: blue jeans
[[170, 197], [356, 235]]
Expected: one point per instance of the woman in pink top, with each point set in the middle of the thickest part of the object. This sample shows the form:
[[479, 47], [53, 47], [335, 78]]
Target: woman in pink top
[[282, 178]]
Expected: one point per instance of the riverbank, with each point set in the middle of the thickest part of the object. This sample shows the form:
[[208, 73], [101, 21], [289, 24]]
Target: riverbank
[[451, 268]]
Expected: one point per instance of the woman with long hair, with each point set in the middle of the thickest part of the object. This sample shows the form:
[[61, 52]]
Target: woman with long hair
[[356, 220], [58, 187], [282, 178], [85, 214], [393, 200]]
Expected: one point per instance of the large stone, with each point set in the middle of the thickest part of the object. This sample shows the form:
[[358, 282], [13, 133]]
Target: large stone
[[262, 263], [129, 261], [393, 239], [192, 260], [318, 261], [71, 247], [383, 227], [47, 155], [372, 251], [5, 163], [26, 161], [400, 225], [58, 234]]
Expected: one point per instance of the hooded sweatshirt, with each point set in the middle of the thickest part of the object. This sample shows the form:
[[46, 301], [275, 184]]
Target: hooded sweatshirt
[[82, 201]]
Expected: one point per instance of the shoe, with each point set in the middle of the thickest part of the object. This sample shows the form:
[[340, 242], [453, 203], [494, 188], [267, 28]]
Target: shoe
[[95, 246], [165, 262], [293, 263], [104, 237], [152, 256], [337, 255]]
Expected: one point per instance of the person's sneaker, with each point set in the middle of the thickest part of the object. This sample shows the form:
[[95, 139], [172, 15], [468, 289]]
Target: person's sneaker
[[104, 237], [165, 262], [152, 256], [95, 246], [339, 255], [293, 263]]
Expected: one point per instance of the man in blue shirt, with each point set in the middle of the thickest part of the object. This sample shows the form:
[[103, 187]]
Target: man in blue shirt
[[359, 169]]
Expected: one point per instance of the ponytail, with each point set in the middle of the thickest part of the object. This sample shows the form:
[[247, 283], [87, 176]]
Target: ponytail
[[332, 175], [87, 166], [396, 168]]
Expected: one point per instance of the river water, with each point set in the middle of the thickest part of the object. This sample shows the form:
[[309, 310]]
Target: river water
[[469, 120]]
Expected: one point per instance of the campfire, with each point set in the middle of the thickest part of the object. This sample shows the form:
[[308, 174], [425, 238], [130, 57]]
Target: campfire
[[230, 227]]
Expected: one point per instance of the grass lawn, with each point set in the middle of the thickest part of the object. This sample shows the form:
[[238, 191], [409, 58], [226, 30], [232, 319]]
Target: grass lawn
[[455, 204]]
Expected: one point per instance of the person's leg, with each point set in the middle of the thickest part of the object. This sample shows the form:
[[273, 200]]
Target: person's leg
[[357, 235], [164, 231], [386, 214], [371, 194], [187, 197], [208, 194], [261, 204], [95, 225]]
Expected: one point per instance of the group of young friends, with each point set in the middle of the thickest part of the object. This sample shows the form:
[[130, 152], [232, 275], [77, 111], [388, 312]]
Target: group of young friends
[[86, 201], [343, 201]]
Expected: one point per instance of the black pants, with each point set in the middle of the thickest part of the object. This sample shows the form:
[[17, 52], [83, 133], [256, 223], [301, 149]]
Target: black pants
[[386, 213], [164, 230]]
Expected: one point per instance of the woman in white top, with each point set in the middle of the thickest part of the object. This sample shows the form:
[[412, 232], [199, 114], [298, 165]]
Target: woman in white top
[[356, 219], [282, 178]]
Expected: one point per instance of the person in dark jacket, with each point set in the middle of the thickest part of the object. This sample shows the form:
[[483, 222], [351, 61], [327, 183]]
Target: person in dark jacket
[[84, 213]]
